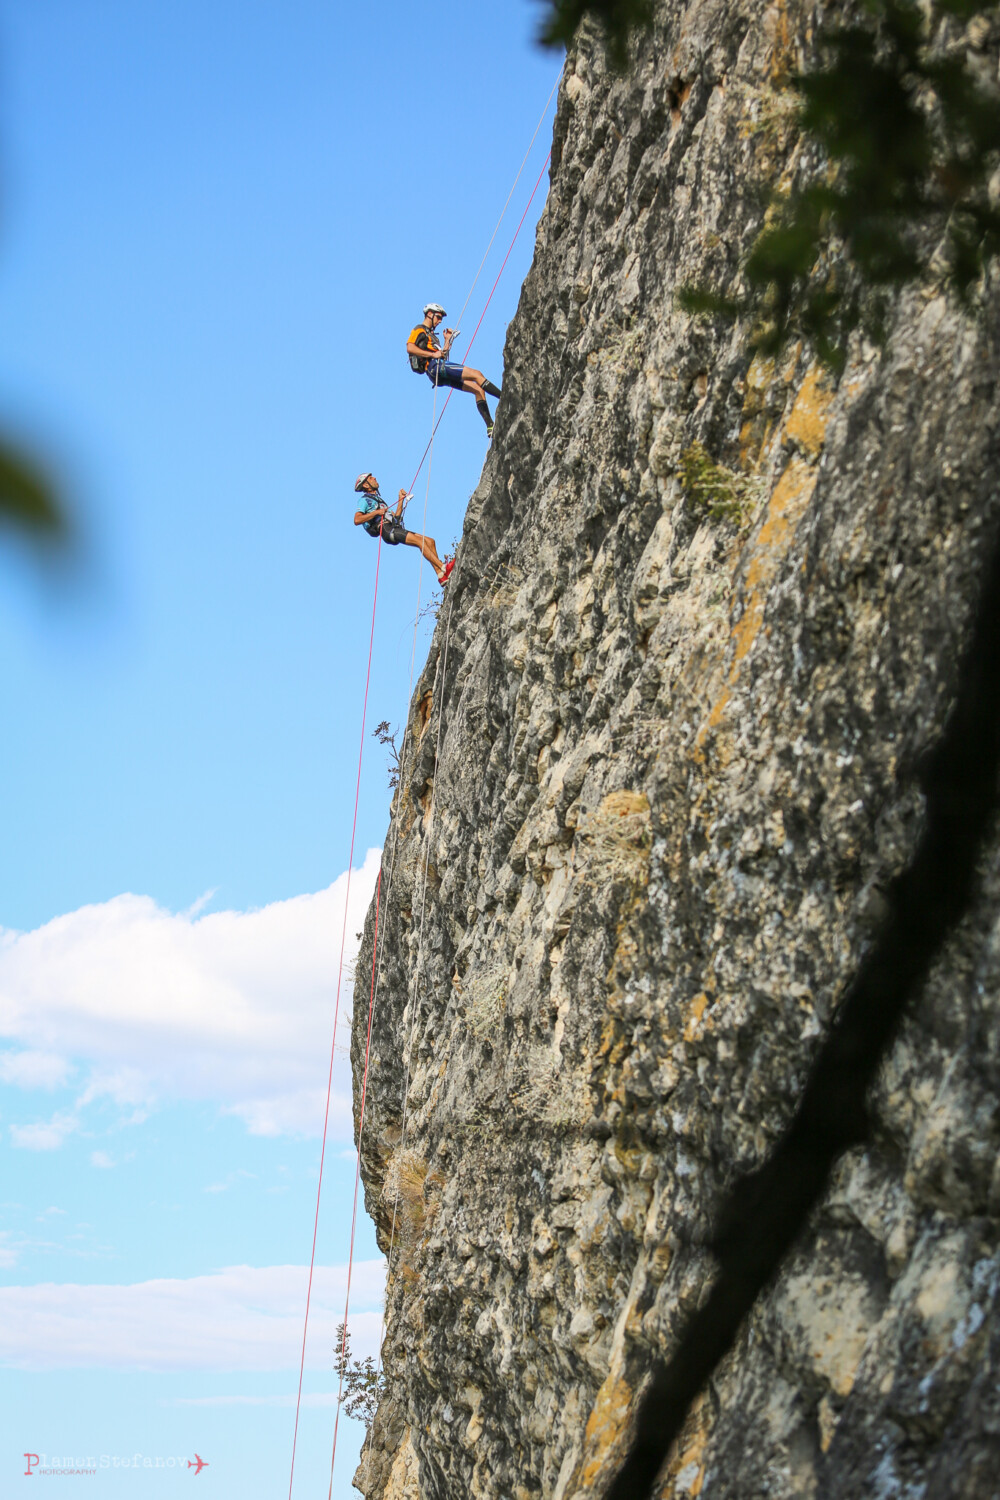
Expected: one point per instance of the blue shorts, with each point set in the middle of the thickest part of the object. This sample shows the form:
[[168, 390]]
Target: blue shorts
[[439, 372]]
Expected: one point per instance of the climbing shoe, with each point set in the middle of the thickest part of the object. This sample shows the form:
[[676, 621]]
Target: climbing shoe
[[489, 429], [446, 574]]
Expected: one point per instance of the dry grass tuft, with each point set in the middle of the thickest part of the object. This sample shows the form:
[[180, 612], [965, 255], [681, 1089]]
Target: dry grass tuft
[[412, 1196], [485, 995], [501, 590], [552, 1093], [619, 838]]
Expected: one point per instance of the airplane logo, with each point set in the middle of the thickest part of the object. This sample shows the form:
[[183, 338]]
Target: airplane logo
[[202, 1464]]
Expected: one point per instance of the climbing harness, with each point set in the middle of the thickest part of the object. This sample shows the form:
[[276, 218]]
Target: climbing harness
[[422, 337]]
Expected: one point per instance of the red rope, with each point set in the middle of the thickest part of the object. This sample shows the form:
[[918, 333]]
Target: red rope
[[371, 1005], [357, 1177], [506, 258], [482, 315], [333, 1042]]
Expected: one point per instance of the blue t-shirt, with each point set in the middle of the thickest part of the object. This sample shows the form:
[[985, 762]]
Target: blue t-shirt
[[370, 503]]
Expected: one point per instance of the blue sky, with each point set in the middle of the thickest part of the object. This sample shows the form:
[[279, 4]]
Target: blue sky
[[219, 220]]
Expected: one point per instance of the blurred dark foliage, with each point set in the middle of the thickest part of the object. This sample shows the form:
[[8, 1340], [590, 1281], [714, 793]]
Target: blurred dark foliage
[[28, 500], [908, 137], [617, 18], [768, 1210], [902, 137]]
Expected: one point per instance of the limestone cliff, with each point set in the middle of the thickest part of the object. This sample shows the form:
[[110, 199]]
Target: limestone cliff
[[659, 768]]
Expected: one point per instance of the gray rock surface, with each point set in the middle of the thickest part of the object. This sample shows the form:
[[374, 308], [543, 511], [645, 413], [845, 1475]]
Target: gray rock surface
[[658, 771]]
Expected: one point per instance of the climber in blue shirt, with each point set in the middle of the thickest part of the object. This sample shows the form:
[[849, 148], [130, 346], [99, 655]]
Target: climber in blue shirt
[[378, 520]]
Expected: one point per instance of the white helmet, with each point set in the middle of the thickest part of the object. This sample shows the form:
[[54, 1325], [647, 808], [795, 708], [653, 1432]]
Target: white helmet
[[435, 307], [359, 483]]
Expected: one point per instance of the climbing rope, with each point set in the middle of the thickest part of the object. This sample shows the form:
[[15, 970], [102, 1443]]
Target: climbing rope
[[340, 970], [489, 299], [336, 1014], [376, 953], [357, 1178], [442, 667], [376, 974], [517, 179], [489, 247], [428, 451]]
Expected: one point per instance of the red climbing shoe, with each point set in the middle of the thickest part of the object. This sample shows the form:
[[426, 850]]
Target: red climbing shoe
[[447, 570]]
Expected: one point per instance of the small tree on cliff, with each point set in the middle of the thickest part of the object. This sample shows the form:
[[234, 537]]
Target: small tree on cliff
[[361, 1383]]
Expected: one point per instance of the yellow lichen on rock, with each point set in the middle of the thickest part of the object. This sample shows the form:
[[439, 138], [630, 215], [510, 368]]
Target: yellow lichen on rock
[[606, 1425], [767, 552], [807, 423], [790, 497]]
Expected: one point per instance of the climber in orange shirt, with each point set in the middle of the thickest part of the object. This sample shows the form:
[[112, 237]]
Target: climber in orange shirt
[[428, 357]]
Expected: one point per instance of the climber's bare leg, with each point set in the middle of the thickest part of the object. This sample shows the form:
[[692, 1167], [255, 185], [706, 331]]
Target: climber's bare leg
[[472, 381], [428, 547]]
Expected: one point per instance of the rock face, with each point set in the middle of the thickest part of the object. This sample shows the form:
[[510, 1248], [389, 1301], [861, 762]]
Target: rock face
[[704, 622]]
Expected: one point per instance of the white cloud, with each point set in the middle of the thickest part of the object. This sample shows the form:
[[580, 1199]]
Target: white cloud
[[231, 1007], [34, 1070], [101, 1159], [200, 903], [232, 1178], [241, 1318], [124, 1086], [44, 1136]]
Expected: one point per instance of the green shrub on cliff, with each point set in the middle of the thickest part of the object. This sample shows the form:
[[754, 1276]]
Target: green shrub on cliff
[[360, 1379], [723, 494]]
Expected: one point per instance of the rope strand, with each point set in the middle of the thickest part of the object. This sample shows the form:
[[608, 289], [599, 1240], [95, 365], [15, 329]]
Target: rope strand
[[376, 972], [517, 179], [489, 299], [333, 1041], [428, 450]]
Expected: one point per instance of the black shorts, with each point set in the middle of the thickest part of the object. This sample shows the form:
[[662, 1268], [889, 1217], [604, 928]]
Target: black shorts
[[393, 531]]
